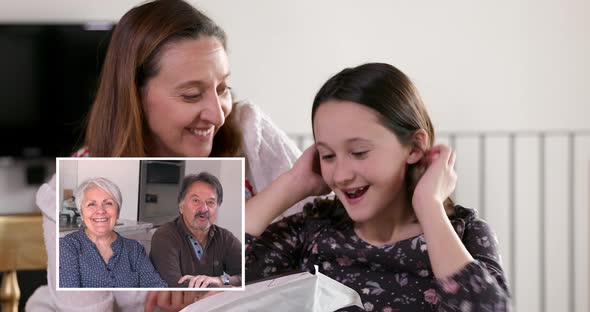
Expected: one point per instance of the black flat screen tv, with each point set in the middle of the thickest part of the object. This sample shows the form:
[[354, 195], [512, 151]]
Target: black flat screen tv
[[48, 79], [164, 172]]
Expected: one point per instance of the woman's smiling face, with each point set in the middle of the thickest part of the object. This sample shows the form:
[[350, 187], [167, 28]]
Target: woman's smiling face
[[188, 100], [99, 211], [361, 161]]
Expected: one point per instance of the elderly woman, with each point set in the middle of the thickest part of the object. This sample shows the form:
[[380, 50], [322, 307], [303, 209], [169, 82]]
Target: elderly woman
[[96, 256]]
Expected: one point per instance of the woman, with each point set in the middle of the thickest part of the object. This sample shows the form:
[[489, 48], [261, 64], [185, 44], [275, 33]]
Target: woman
[[391, 233], [164, 91], [96, 256]]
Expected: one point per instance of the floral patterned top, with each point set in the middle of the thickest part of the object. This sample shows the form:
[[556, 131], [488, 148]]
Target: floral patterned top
[[394, 277]]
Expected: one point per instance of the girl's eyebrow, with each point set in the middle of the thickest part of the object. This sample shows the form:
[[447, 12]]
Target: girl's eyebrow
[[322, 144], [349, 141], [358, 140]]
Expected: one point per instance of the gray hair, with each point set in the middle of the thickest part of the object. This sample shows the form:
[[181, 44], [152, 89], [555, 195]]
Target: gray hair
[[201, 177], [104, 184]]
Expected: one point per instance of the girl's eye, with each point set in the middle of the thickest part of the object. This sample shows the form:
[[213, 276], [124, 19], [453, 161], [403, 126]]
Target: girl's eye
[[327, 157], [360, 154]]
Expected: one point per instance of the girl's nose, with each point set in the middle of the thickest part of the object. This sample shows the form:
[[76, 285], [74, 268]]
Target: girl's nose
[[343, 174]]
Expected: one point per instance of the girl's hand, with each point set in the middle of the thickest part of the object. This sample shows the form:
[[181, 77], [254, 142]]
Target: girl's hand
[[306, 171], [438, 181], [173, 300], [300, 182]]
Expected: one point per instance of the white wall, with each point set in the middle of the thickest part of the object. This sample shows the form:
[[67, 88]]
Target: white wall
[[479, 65], [229, 173], [123, 172], [213, 166]]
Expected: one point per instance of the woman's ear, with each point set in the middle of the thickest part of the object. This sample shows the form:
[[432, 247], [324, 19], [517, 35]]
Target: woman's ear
[[418, 147]]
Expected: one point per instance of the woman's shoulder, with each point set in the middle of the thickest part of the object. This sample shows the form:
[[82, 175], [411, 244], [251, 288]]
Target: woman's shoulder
[[246, 109], [257, 126], [131, 245], [73, 240], [82, 152]]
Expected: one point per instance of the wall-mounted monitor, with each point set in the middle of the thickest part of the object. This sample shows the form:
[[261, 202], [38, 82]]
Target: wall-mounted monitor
[[48, 80]]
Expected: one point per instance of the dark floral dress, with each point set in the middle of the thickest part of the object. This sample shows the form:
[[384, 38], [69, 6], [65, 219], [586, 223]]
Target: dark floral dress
[[395, 277]]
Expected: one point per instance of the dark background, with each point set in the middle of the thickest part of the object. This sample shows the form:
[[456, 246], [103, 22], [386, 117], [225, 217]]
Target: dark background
[[48, 79], [28, 281]]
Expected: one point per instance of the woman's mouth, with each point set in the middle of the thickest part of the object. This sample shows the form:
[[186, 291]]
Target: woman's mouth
[[100, 220], [202, 133]]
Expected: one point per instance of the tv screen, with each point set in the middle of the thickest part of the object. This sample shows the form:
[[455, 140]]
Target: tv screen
[[166, 173], [48, 80]]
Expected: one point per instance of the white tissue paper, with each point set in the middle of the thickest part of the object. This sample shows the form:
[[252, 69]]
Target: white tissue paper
[[291, 293]]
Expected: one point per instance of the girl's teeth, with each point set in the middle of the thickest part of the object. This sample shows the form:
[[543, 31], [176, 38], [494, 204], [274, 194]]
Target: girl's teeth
[[356, 193]]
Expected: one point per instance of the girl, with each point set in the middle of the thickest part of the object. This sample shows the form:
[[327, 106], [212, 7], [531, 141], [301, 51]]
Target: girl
[[391, 232]]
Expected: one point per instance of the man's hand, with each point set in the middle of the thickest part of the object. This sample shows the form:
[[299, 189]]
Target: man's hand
[[201, 281]]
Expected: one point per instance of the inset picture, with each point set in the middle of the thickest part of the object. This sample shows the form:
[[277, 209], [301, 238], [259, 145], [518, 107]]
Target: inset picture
[[137, 223]]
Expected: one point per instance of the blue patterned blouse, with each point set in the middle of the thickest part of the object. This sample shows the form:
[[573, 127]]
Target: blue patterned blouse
[[81, 265]]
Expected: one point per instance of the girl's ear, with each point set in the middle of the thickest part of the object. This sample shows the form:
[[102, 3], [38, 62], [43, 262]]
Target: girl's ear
[[418, 148]]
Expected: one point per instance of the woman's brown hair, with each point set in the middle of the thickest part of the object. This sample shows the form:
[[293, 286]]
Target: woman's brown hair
[[116, 123]]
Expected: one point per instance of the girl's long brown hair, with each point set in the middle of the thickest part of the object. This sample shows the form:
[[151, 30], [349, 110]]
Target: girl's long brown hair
[[116, 123]]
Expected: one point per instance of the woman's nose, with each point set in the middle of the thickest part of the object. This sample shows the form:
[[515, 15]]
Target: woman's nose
[[212, 112]]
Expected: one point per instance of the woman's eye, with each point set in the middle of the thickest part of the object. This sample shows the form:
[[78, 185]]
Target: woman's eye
[[191, 97], [224, 90], [108, 203], [90, 205]]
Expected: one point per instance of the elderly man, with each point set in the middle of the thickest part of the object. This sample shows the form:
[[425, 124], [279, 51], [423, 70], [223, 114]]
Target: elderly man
[[191, 251]]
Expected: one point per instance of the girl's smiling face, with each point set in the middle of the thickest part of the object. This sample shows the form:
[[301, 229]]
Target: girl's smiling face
[[362, 161]]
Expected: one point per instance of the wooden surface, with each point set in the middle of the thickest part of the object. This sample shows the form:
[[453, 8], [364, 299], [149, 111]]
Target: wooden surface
[[21, 243], [22, 248]]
